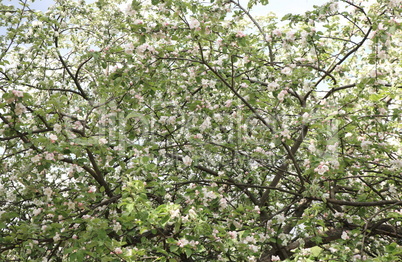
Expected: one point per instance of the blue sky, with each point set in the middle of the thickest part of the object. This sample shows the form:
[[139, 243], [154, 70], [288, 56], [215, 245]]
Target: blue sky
[[280, 7], [283, 7]]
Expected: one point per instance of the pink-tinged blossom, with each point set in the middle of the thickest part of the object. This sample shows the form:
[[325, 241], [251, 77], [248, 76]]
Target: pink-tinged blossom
[[306, 163], [118, 251], [187, 161], [194, 23], [49, 156], [103, 141], [290, 36], [138, 22], [193, 243], [182, 242], [142, 48], [232, 234], [92, 189], [285, 133], [140, 98], [198, 136], [275, 258], [208, 194], [253, 248], [18, 93], [321, 169], [382, 54], [372, 34], [382, 110], [259, 150], [249, 239], [345, 235], [129, 48], [243, 85], [281, 95], [53, 138], [277, 32], [240, 34]]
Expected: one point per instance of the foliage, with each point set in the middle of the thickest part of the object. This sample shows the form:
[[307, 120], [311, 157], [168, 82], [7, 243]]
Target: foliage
[[179, 130]]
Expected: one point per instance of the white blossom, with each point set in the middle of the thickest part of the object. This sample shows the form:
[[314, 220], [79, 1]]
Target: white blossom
[[286, 71], [206, 124], [187, 161], [19, 109], [174, 213], [57, 128], [345, 235], [36, 158], [365, 144], [37, 211], [272, 86], [48, 192], [56, 237]]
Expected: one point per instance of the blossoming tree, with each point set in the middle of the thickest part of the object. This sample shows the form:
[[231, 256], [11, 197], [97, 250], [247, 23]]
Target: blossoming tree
[[180, 130]]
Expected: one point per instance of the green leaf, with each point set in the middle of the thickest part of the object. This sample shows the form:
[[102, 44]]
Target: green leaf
[[188, 252], [165, 219], [316, 251]]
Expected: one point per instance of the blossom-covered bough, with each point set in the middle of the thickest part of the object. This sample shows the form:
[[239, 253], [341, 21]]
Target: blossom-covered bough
[[178, 130]]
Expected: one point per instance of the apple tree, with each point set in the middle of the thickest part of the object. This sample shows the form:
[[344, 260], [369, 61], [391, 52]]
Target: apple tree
[[182, 130]]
